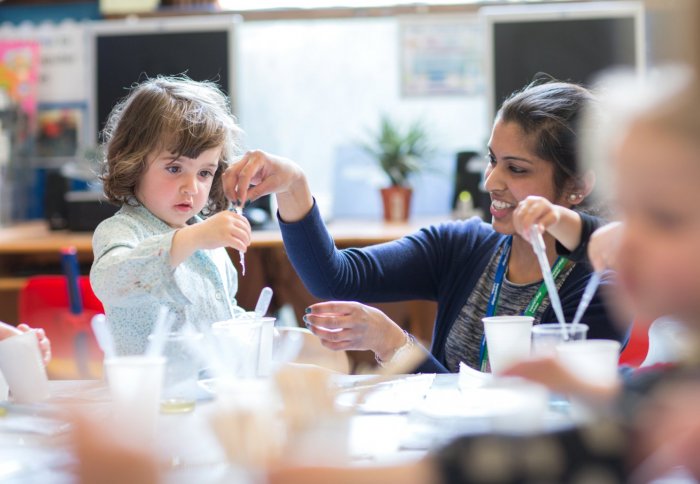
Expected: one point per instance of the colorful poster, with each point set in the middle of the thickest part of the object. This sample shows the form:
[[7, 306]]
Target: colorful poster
[[19, 73]]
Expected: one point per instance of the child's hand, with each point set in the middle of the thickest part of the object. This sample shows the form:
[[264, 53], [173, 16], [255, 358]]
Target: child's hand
[[603, 246], [548, 371], [7, 331], [535, 211], [225, 229], [44, 343]]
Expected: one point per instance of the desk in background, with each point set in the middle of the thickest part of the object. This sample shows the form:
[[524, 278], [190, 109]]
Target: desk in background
[[31, 248]]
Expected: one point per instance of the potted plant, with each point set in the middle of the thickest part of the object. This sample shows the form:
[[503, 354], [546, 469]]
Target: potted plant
[[399, 154]]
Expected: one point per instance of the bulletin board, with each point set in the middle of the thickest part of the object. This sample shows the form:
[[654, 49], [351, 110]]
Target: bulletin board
[[441, 55], [61, 99]]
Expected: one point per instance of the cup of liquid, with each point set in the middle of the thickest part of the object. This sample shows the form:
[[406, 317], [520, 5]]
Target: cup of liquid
[[181, 372]]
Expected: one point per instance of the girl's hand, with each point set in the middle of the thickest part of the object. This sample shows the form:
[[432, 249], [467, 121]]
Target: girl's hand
[[44, 342], [7, 331], [224, 229], [354, 326], [535, 211], [548, 371], [603, 246], [258, 173]]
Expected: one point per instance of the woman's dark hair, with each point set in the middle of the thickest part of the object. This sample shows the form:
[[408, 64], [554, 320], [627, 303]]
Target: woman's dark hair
[[549, 111]]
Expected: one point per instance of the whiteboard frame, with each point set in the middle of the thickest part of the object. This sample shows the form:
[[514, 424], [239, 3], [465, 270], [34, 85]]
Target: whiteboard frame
[[135, 26], [560, 11]]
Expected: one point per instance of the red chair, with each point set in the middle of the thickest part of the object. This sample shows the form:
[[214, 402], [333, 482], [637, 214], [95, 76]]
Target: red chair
[[44, 303], [637, 346]]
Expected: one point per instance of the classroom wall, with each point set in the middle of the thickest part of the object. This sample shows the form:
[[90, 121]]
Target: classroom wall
[[310, 89]]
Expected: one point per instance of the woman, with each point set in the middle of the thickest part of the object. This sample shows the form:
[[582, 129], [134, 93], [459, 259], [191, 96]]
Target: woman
[[461, 265]]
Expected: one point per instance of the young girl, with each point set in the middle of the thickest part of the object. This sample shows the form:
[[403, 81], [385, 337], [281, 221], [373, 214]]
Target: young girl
[[167, 145]]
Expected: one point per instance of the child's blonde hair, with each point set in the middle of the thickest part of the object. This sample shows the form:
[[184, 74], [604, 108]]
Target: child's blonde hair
[[177, 114]]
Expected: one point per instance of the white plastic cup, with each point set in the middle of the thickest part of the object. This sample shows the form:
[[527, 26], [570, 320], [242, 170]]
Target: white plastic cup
[[135, 383], [546, 337], [508, 340], [23, 368], [594, 361]]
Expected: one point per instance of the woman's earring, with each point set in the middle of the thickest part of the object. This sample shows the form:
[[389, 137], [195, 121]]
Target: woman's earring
[[574, 197]]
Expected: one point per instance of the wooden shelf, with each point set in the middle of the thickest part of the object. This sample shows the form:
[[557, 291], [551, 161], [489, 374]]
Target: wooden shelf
[[12, 283]]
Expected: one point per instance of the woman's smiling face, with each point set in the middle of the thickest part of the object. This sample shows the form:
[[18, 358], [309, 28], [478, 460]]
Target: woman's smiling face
[[515, 172]]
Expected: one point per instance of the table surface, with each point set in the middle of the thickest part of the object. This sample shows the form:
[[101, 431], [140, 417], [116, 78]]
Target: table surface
[[35, 236], [33, 449]]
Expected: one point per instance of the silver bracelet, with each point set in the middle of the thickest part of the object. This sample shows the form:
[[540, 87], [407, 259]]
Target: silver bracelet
[[410, 341]]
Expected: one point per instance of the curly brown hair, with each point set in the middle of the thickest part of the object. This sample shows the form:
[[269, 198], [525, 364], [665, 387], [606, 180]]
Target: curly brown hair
[[177, 114]]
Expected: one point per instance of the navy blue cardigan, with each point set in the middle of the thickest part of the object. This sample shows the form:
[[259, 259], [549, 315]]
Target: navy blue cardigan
[[440, 263]]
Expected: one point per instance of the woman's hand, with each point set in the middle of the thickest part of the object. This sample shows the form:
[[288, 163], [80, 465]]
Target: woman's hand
[[7, 331], [224, 229], [603, 246], [258, 173], [562, 223], [354, 326]]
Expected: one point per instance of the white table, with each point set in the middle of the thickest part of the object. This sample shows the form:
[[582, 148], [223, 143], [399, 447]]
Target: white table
[[188, 448]]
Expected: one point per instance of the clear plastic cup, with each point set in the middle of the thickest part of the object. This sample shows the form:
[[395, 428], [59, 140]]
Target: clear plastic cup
[[508, 339], [135, 383], [181, 372], [546, 337], [249, 338], [23, 368], [594, 360]]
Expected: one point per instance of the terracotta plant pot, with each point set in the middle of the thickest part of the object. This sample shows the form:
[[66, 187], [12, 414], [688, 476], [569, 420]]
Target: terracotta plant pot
[[397, 203]]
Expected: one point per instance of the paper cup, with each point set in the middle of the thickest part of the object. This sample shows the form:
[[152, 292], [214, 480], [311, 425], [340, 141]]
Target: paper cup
[[508, 340], [546, 337], [23, 369], [135, 383], [594, 361]]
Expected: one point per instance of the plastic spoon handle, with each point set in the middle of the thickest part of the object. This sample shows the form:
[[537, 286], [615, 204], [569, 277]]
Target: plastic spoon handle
[[103, 335], [264, 301], [540, 251], [588, 294]]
